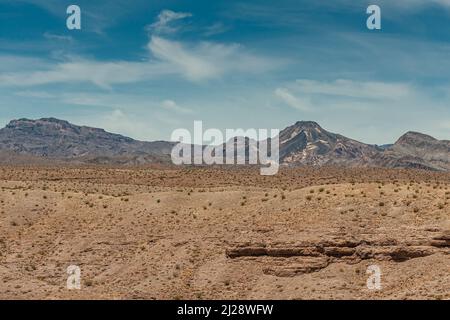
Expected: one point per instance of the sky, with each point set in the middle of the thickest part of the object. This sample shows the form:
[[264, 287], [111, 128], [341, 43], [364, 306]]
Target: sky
[[145, 68]]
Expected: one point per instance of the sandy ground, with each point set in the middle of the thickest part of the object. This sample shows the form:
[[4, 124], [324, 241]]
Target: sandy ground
[[197, 233]]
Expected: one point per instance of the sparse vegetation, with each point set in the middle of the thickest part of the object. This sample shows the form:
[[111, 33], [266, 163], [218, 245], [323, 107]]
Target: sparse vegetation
[[166, 233]]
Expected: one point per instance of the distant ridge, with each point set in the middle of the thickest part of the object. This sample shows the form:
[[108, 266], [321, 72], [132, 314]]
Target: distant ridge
[[303, 143], [60, 140]]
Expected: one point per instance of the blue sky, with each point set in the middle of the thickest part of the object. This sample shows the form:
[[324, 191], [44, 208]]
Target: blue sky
[[144, 68]]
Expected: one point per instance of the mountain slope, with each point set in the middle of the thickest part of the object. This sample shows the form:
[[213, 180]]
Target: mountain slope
[[307, 143], [417, 150], [59, 139]]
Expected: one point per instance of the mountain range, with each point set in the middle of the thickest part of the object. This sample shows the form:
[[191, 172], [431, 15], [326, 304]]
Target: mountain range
[[303, 143]]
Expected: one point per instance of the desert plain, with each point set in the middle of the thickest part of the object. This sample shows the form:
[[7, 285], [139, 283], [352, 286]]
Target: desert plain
[[223, 233]]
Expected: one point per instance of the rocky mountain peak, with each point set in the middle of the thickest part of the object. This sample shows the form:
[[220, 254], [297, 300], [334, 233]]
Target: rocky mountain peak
[[40, 127], [303, 132], [24, 122], [412, 137], [422, 150], [307, 124]]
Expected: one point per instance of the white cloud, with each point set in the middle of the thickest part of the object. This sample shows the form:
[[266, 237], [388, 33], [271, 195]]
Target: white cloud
[[374, 112], [164, 20], [397, 4], [34, 94], [417, 3], [192, 61], [14, 64], [208, 60], [308, 95], [120, 122], [110, 100], [173, 106], [355, 89], [442, 2], [78, 70], [97, 15], [195, 62], [51, 36], [102, 74], [291, 100], [216, 28]]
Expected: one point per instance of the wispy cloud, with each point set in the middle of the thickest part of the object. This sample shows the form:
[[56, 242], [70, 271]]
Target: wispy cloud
[[207, 60], [355, 89], [415, 3], [51, 36], [119, 121], [195, 62], [295, 102], [97, 16], [307, 94], [165, 20], [173, 106], [102, 74], [366, 110], [34, 94], [214, 29]]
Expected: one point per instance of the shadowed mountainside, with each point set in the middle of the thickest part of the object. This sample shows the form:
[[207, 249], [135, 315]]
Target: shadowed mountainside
[[61, 140]]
